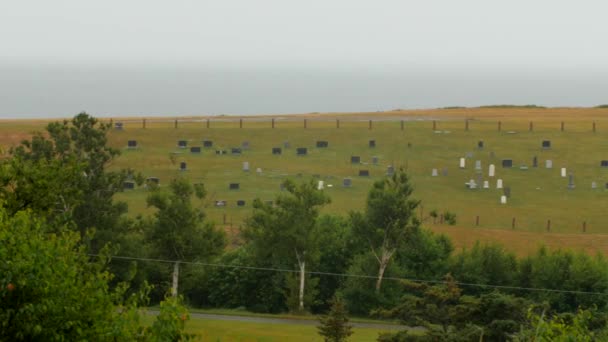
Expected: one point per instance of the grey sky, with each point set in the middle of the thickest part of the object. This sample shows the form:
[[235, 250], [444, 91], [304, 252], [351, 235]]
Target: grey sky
[[327, 33]]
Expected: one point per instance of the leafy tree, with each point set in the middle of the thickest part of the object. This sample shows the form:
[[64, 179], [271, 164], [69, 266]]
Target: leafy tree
[[560, 329], [288, 230], [334, 327], [388, 219], [50, 290]]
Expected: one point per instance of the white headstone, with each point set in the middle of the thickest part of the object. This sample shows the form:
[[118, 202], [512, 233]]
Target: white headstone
[[259, 170], [503, 199], [478, 165], [320, 185], [564, 172], [486, 184], [491, 170], [499, 184], [472, 184], [245, 166], [548, 164], [462, 163], [593, 185], [434, 173]]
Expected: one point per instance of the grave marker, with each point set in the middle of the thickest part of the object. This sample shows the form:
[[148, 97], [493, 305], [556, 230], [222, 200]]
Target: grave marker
[[195, 149], [593, 185], [276, 150], [462, 163], [240, 203], [258, 170], [220, 203], [507, 191], [322, 144], [480, 144], [153, 180], [535, 162], [486, 184], [503, 199], [546, 144], [118, 126], [507, 163], [355, 159], [375, 160], [563, 172], [491, 170], [471, 184], [132, 144], [363, 173], [372, 143], [234, 186], [301, 151], [571, 181], [444, 171], [499, 184], [128, 185], [347, 182], [390, 170], [320, 185], [182, 166], [182, 144], [286, 144], [469, 155], [604, 163], [434, 173], [245, 145], [246, 166], [235, 150], [548, 164], [207, 143], [478, 165]]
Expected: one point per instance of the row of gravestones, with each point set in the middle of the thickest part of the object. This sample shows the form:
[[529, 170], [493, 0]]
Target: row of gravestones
[[545, 144]]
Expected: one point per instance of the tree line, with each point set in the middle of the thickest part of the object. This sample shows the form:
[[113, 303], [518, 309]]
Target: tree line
[[60, 226]]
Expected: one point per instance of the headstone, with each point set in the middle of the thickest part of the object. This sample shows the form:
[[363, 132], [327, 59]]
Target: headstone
[[499, 184], [322, 144], [220, 152], [486, 184], [375, 160], [471, 184], [563, 172], [220, 203], [571, 181], [364, 173], [286, 144], [235, 150], [604, 163], [153, 180], [195, 149], [503, 199], [132, 144], [390, 170], [355, 159], [606, 186], [246, 166], [240, 203], [480, 144], [182, 166], [301, 151], [372, 143], [507, 191], [258, 170], [478, 165], [546, 144], [434, 173], [535, 161], [506, 163], [320, 185], [491, 170], [593, 185], [182, 144], [245, 145], [523, 167], [234, 186], [207, 143], [469, 155], [492, 155], [128, 185], [118, 126], [276, 150], [462, 163], [347, 182], [548, 164], [444, 171]]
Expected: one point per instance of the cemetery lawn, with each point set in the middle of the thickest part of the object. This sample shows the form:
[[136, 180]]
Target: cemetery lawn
[[537, 194]]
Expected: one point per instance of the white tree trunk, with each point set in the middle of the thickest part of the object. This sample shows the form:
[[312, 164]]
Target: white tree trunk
[[175, 279], [381, 269], [302, 274]]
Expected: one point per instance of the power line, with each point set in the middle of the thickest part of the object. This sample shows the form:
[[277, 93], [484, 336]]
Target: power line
[[361, 276]]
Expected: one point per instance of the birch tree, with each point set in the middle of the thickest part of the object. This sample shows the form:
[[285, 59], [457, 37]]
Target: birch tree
[[288, 230], [388, 217]]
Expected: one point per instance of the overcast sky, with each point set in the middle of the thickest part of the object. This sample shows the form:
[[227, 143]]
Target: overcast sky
[[523, 33], [116, 57]]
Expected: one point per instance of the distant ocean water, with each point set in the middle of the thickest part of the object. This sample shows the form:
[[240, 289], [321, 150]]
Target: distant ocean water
[[40, 92]]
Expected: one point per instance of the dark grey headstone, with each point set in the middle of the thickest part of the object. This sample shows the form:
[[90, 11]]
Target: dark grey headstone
[[118, 126], [207, 143], [375, 160], [347, 182], [372, 143], [234, 186], [132, 143], [182, 144], [286, 144], [535, 161], [604, 163], [153, 180], [195, 149], [128, 185], [507, 163], [235, 150], [364, 173], [507, 191], [218, 152], [444, 172], [240, 203], [355, 160], [390, 170], [480, 144], [322, 144], [571, 181], [546, 144], [276, 150], [245, 145], [182, 166], [301, 151]]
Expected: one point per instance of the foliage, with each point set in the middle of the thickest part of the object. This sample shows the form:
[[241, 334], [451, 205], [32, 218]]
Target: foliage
[[558, 328], [334, 327], [170, 323]]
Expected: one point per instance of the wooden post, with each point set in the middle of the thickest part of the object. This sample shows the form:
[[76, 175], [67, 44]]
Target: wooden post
[[337, 123], [548, 225], [562, 126], [531, 126], [304, 123], [402, 125], [499, 126], [175, 123], [370, 124], [513, 223], [240, 123], [584, 226], [477, 220], [434, 125], [175, 279], [272, 122], [466, 124], [593, 126], [207, 123], [143, 123]]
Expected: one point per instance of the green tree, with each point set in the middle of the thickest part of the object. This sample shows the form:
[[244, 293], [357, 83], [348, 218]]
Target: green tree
[[288, 230], [334, 327], [575, 328], [388, 219]]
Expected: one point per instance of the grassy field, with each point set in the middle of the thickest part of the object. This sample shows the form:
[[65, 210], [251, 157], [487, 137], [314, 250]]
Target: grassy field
[[538, 194]]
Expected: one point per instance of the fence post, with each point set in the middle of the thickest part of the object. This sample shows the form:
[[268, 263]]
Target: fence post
[[337, 123], [531, 126], [549, 225], [434, 125], [370, 124], [584, 226], [207, 123], [466, 124], [499, 126], [272, 122], [562, 126], [175, 123], [477, 220], [513, 223], [143, 123], [240, 123], [593, 126]]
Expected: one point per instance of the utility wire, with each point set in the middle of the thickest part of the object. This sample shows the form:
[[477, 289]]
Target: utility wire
[[361, 276]]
